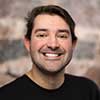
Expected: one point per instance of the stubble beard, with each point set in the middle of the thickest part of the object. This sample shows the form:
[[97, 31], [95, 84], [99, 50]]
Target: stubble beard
[[41, 68]]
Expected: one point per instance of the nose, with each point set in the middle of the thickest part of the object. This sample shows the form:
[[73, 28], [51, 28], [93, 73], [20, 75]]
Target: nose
[[53, 43]]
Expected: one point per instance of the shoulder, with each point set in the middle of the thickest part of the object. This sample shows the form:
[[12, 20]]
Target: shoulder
[[83, 86], [13, 86], [82, 82]]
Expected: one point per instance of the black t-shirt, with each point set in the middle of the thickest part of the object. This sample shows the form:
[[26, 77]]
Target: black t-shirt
[[74, 88]]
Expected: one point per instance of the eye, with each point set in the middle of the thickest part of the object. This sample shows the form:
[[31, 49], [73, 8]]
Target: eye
[[41, 35], [63, 35]]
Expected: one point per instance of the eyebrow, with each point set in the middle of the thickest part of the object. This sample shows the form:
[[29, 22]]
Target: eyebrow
[[64, 30], [41, 29], [60, 30]]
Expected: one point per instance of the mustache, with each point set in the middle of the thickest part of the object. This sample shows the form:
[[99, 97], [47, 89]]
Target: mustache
[[52, 50]]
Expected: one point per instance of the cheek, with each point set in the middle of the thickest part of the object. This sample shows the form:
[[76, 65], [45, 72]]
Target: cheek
[[36, 45], [67, 45]]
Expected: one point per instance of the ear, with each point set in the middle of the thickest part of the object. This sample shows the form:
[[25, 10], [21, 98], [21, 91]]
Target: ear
[[74, 43], [27, 44]]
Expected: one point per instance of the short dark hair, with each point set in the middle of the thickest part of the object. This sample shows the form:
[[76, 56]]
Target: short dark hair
[[51, 10]]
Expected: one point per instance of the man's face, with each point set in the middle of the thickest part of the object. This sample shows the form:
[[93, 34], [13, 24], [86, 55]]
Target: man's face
[[51, 45]]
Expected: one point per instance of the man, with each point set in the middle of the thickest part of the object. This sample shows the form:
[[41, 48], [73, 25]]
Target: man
[[50, 40]]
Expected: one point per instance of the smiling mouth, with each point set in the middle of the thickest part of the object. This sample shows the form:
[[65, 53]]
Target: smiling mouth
[[52, 55]]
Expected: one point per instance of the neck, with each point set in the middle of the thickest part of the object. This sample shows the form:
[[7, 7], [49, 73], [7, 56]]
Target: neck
[[46, 81]]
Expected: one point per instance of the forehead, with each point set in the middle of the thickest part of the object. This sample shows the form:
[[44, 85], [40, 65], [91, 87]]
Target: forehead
[[47, 19]]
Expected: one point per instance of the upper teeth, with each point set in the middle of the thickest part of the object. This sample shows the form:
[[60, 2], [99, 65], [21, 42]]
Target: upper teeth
[[51, 55]]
